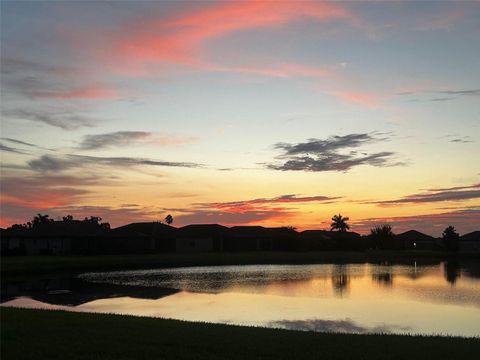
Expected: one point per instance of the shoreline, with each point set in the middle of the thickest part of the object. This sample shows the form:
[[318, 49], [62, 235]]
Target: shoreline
[[34, 267], [17, 268]]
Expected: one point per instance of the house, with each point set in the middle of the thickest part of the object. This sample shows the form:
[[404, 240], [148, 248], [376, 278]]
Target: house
[[412, 239], [470, 241], [316, 240], [248, 238], [200, 238], [55, 237], [146, 236]]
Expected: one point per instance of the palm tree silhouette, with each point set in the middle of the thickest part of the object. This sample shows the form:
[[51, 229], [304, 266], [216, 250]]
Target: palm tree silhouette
[[169, 219], [339, 223]]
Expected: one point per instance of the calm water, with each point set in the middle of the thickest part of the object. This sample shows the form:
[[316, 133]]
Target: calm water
[[360, 298]]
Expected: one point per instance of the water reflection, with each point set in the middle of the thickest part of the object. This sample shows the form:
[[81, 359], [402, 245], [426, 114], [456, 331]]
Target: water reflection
[[74, 292], [341, 280], [451, 270], [386, 297], [340, 326], [385, 279]]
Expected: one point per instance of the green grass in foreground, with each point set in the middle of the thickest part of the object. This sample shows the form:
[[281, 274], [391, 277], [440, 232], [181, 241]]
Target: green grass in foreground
[[42, 334], [24, 267]]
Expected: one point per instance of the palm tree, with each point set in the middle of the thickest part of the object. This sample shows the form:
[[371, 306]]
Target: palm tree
[[41, 219], [382, 236], [339, 223], [169, 219]]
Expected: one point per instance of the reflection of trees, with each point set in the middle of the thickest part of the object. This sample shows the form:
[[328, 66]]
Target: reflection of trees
[[340, 279], [384, 278], [451, 271]]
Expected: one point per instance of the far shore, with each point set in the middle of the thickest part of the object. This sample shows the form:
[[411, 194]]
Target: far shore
[[27, 267]]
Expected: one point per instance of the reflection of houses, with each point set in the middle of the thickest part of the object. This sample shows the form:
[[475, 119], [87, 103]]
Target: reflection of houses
[[74, 292], [412, 239], [470, 241]]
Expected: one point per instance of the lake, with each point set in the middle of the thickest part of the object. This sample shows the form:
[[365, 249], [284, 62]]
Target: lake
[[440, 298]]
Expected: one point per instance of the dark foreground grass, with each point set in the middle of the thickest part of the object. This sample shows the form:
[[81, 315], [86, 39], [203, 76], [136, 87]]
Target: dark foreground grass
[[43, 334], [24, 267]]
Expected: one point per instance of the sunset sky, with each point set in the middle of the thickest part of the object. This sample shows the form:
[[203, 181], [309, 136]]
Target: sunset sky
[[278, 113]]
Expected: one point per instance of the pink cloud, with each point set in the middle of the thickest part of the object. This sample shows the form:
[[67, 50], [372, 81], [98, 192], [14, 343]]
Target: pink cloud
[[144, 43], [277, 70], [368, 100], [239, 207], [256, 217], [169, 139], [80, 93]]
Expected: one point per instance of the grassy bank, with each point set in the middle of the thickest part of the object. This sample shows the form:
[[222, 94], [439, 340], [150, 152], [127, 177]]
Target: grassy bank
[[24, 267], [42, 334]]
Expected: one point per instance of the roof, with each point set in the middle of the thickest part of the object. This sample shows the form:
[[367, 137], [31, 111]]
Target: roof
[[473, 236], [145, 228], [326, 234], [342, 234], [203, 230], [248, 231], [204, 226], [314, 234], [414, 235]]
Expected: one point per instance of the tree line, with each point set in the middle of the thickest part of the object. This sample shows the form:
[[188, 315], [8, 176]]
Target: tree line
[[381, 236]]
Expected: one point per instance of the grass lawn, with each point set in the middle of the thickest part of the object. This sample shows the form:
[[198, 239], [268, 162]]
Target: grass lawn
[[24, 267], [43, 334]]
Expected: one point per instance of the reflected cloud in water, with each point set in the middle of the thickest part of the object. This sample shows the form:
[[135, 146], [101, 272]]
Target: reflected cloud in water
[[337, 326]]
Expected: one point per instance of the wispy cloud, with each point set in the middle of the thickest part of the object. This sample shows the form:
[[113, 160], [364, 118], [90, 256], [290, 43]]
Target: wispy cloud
[[122, 138], [119, 138], [261, 203], [63, 119], [24, 143], [35, 80], [90, 92], [47, 163], [461, 140], [466, 92], [436, 195], [441, 95], [10, 149], [327, 155], [198, 216], [474, 186]]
